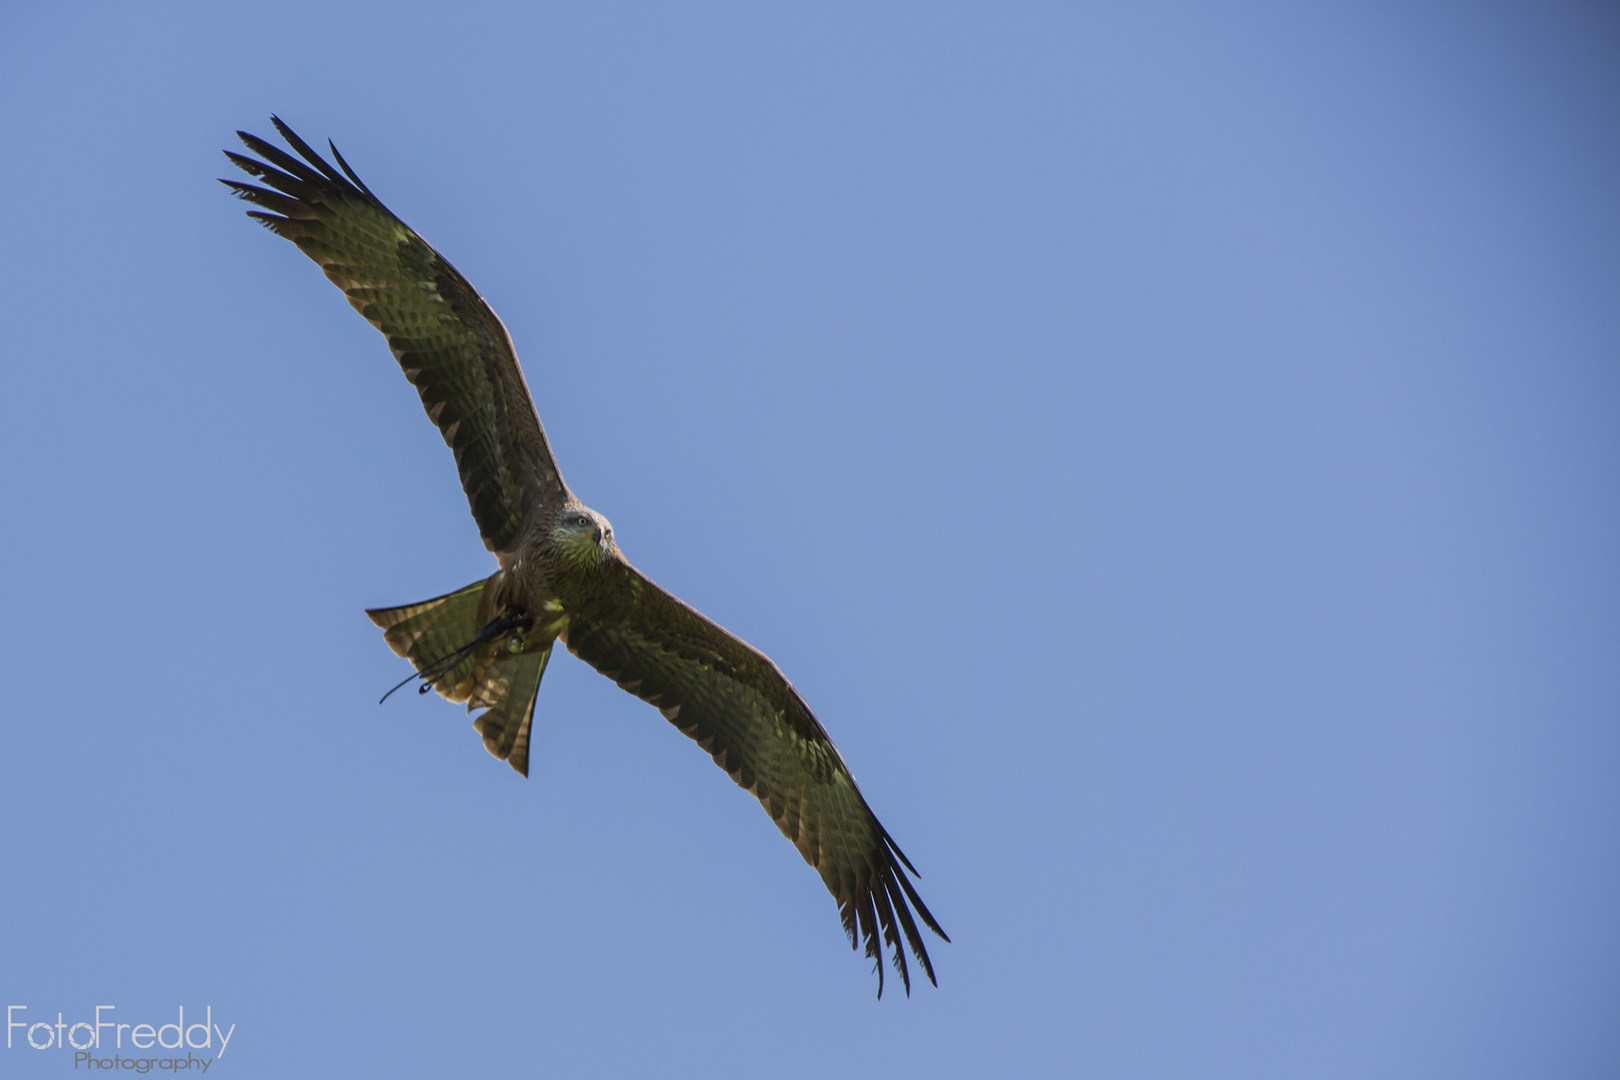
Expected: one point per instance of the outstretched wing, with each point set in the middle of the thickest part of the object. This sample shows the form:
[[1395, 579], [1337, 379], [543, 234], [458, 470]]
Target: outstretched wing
[[450, 343], [738, 706]]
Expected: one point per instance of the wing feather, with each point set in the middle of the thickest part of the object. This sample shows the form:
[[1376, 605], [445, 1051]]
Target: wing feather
[[737, 705], [451, 345]]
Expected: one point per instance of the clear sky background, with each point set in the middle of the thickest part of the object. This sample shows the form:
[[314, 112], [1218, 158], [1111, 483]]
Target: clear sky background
[[1174, 448]]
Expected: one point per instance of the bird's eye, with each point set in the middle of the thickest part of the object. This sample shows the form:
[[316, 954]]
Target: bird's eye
[[582, 520]]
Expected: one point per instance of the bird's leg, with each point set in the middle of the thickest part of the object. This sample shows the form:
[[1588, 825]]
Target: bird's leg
[[497, 627]]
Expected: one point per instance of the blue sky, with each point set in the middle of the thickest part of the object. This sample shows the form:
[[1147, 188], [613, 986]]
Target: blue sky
[[1173, 450]]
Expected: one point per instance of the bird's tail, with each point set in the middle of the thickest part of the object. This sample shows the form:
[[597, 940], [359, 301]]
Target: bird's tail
[[438, 637], [429, 632]]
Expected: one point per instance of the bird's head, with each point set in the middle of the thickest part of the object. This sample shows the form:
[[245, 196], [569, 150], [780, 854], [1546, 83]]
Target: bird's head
[[583, 535]]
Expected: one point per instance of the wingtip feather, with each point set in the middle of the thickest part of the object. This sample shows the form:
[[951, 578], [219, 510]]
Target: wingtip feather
[[891, 934], [307, 152], [350, 173]]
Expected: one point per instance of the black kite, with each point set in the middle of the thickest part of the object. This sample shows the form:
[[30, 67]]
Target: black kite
[[562, 576]]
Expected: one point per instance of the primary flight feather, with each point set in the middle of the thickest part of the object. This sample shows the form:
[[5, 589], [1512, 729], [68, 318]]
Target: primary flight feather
[[561, 575]]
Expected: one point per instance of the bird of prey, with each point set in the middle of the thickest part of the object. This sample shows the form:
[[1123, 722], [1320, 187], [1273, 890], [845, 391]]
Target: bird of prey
[[561, 575]]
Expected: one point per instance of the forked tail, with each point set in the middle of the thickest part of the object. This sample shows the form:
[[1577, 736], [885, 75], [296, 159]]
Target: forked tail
[[464, 660]]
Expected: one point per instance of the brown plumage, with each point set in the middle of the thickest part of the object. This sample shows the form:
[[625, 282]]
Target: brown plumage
[[561, 575]]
